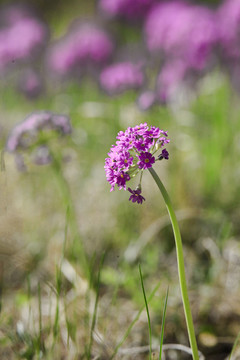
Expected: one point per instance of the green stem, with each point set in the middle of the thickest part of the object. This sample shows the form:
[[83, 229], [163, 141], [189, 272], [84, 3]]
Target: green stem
[[68, 202], [180, 260]]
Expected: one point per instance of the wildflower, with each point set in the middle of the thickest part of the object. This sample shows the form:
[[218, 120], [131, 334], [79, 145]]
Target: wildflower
[[182, 31], [134, 152], [146, 160], [136, 197], [127, 9], [29, 134], [164, 155], [170, 79], [21, 37], [121, 76], [228, 27], [30, 83], [146, 100], [85, 43]]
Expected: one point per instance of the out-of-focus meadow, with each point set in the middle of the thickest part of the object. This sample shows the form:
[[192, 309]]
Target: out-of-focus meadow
[[70, 249]]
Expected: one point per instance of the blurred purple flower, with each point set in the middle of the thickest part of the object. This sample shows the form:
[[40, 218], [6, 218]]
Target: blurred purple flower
[[30, 83], [84, 43], [228, 19], [128, 9], [121, 76], [171, 76], [178, 29], [146, 100], [21, 35], [25, 134]]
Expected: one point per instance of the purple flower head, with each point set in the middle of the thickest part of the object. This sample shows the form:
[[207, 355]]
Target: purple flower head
[[181, 30], [120, 77], [146, 100], [228, 21], [28, 133], [21, 36], [127, 9], [136, 196], [23, 133], [170, 78], [134, 152], [84, 43], [30, 83]]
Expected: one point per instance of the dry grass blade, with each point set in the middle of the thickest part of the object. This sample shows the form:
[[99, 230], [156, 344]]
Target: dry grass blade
[[143, 349]]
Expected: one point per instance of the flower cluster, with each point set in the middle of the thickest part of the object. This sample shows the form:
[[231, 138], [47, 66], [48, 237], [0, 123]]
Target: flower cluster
[[182, 31], [29, 135], [134, 151], [126, 9], [22, 35], [121, 76], [25, 133], [85, 43]]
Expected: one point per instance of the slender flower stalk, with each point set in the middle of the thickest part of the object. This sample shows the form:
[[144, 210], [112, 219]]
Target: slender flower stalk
[[134, 152], [180, 260]]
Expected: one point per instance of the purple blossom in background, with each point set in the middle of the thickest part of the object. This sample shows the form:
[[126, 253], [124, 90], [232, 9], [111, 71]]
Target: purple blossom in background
[[170, 78], [21, 36], [178, 29], [136, 196], [30, 83], [127, 157], [25, 134], [127, 9], [146, 100], [121, 76], [84, 43], [228, 20]]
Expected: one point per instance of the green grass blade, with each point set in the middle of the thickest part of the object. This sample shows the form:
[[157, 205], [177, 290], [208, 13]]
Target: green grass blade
[[40, 335], [95, 308], [65, 232], [234, 346], [58, 289], [148, 315], [129, 329], [29, 298], [163, 324]]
